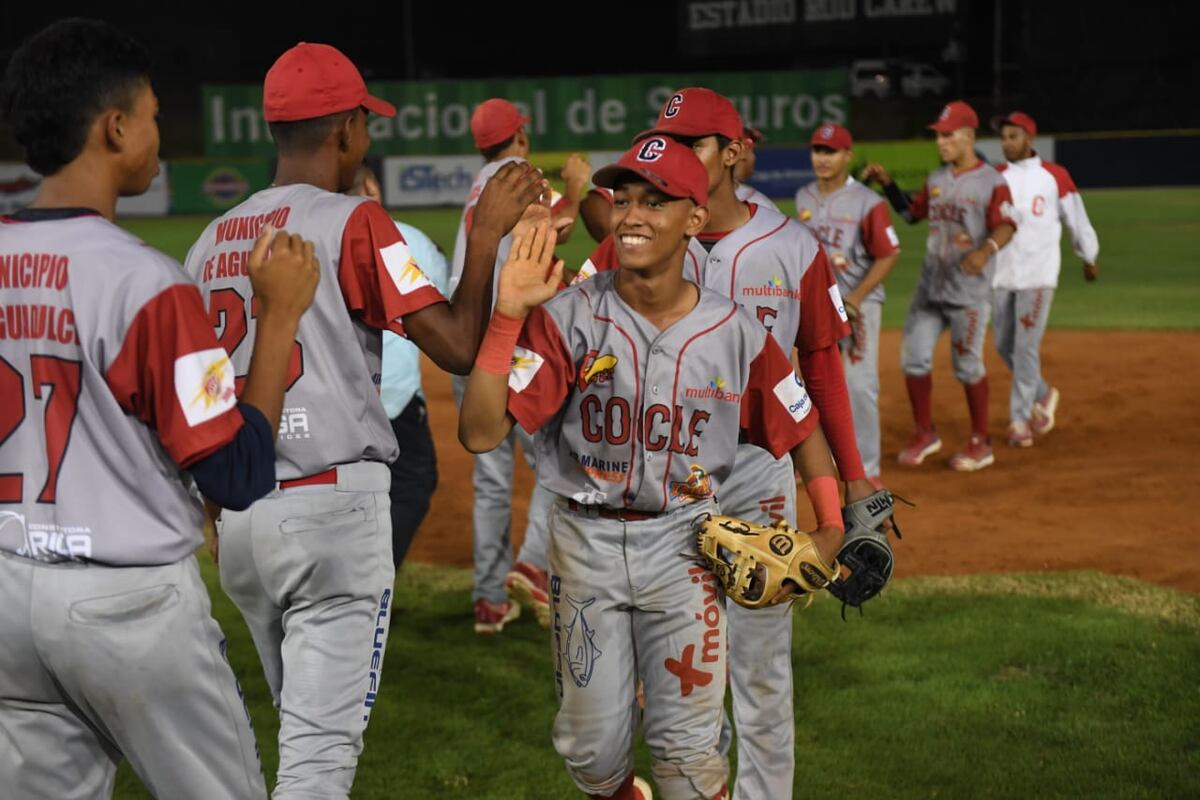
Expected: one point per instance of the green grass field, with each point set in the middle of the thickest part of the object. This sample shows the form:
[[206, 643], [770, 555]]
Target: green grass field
[[1062, 686], [1047, 686], [1149, 257]]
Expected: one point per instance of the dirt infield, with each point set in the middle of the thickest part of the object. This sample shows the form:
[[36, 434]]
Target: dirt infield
[[1101, 491]]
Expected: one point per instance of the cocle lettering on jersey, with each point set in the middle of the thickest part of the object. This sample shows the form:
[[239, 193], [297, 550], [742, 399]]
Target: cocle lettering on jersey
[[773, 288], [249, 227], [947, 212], [36, 320], [830, 235], [661, 428]]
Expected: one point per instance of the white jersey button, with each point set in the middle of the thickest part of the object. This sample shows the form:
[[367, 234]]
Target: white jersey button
[[654, 389]]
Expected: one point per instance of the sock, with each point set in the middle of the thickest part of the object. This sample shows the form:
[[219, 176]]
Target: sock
[[920, 394]]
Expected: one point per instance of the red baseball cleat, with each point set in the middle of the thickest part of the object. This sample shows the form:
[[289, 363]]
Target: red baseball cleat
[[975, 456], [530, 586], [922, 444], [490, 618]]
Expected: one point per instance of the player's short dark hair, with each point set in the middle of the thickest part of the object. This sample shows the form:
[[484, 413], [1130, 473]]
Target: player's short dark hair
[[490, 153], [305, 135], [60, 79]]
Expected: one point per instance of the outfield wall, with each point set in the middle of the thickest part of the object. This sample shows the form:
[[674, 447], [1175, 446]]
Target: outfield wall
[[211, 186]]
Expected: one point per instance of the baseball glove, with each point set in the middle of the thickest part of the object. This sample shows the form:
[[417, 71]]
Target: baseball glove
[[866, 551], [754, 561]]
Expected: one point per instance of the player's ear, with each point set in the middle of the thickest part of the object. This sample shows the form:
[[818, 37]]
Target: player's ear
[[344, 132], [697, 219], [112, 124], [732, 153]]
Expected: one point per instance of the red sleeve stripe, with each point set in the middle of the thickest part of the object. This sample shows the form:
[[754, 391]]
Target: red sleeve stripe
[[742, 249]]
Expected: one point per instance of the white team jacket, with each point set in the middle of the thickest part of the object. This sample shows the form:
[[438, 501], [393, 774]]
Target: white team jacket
[[1044, 197]]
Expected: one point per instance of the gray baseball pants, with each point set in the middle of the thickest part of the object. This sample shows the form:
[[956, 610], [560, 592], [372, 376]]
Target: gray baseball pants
[[310, 569], [99, 663], [1019, 322]]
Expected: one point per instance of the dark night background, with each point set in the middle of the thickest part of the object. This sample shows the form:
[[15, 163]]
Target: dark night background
[[1077, 66]]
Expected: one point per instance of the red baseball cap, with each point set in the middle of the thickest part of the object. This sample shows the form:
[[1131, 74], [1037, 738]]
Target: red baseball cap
[[697, 112], [313, 80], [834, 136], [1018, 118], [495, 120], [954, 116], [668, 165]]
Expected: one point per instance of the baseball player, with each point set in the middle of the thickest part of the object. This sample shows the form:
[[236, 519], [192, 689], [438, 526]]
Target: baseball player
[[111, 386], [310, 565], [414, 472], [743, 170], [502, 586], [971, 219], [639, 383], [776, 268], [1044, 197], [852, 223]]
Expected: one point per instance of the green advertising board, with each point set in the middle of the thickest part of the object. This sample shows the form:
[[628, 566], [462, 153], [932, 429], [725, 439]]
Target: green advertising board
[[578, 113], [208, 186]]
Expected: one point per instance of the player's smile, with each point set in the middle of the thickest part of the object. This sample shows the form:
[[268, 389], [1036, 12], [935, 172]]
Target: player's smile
[[642, 216]]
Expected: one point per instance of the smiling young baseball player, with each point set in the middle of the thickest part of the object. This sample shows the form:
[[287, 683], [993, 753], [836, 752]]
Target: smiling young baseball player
[[640, 383], [971, 219], [111, 384], [502, 585], [852, 223], [776, 269], [310, 565], [1044, 197]]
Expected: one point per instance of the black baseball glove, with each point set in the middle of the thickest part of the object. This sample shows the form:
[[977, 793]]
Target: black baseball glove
[[866, 552]]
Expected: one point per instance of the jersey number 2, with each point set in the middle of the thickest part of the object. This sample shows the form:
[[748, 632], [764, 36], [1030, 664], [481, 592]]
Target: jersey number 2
[[227, 306], [62, 376]]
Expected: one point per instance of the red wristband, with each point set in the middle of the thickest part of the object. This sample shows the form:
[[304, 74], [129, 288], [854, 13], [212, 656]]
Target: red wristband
[[499, 341], [823, 493]]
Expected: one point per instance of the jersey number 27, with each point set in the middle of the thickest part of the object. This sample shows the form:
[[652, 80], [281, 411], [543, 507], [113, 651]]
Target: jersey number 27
[[227, 311], [57, 380]]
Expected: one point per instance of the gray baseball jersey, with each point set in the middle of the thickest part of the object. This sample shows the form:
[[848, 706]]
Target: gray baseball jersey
[[629, 416], [748, 194], [853, 224], [112, 382], [332, 412], [961, 210]]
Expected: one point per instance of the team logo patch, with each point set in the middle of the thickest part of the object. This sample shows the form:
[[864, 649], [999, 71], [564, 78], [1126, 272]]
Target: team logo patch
[[935, 191], [791, 393], [697, 485], [588, 270], [892, 238], [403, 269], [835, 296], [805, 215], [525, 364], [595, 368], [652, 149], [204, 385], [580, 651]]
